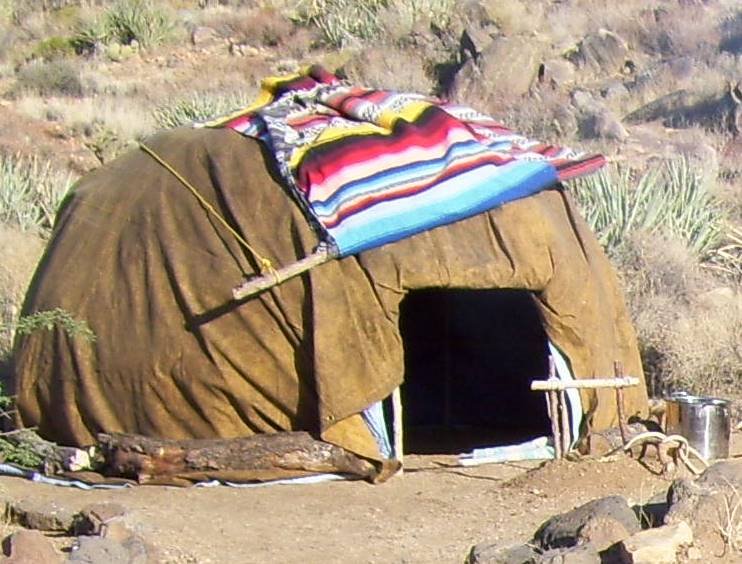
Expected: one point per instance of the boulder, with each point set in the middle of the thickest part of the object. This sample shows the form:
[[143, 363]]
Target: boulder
[[203, 35], [709, 505], [603, 52], [100, 550], [506, 68], [595, 120], [499, 553], [94, 519], [602, 522], [656, 546], [28, 547], [557, 73], [581, 554], [477, 31], [41, 515]]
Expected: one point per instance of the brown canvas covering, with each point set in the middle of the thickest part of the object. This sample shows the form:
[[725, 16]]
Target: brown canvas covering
[[138, 257]]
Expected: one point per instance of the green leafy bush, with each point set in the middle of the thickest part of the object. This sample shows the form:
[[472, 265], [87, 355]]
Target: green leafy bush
[[30, 192], [52, 48], [57, 317]]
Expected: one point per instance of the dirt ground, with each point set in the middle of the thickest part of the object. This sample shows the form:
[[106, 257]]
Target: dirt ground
[[433, 513]]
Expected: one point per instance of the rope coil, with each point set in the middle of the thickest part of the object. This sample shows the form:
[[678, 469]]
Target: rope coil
[[682, 451]]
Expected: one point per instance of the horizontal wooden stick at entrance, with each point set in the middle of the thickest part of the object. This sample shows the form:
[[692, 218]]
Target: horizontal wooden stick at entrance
[[553, 384]]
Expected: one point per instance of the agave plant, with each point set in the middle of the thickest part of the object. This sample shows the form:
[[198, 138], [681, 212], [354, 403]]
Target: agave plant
[[673, 200]]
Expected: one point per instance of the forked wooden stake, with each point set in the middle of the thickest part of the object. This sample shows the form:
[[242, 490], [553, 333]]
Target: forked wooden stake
[[557, 404]]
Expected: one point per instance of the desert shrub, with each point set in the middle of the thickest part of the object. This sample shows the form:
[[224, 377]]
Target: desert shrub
[[726, 259], [139, 20], [259, 26], [88, 34], [125, 22], [344, 22], [19, 254], [689, 330], [378, 67], [198, 107], [30, 192], [47, 78], [673, 200], [54, 47]]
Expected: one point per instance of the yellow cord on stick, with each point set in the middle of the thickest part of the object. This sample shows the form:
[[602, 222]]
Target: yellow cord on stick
[[266, 266]]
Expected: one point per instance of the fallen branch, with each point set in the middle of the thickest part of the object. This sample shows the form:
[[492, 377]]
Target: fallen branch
[[259, 457]]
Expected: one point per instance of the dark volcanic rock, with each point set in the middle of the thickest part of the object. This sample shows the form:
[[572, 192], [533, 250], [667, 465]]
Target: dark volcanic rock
[[602, 522], [498, 553]]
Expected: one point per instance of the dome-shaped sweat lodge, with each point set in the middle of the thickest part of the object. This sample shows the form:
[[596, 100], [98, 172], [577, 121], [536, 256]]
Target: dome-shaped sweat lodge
[[464, 314]]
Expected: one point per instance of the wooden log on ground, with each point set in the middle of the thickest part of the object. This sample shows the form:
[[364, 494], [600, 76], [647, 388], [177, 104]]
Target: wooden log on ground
[[267, 456]]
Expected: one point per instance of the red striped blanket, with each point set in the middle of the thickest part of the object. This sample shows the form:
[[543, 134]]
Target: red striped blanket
[[373, 166]]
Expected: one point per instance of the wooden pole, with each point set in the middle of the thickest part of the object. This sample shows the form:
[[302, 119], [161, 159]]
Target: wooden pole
[[566, 442], [260, 283], [552, 403], [398, 428], [618, 371], [546, 385]]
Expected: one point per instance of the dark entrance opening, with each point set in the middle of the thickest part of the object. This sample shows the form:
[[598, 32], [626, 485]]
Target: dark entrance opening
[[470, 356]]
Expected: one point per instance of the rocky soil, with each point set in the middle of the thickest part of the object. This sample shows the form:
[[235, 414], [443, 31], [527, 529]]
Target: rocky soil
[[435, 512]]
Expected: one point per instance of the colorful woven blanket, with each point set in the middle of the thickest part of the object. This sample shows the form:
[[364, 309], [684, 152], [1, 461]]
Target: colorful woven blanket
[[372, 166]]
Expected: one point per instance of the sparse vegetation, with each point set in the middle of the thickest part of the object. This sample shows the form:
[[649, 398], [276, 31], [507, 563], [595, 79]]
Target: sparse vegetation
[[125, 22], [30, 192], [57, 77], [673, 201], [345, 22], [198, 107], [57, 317]]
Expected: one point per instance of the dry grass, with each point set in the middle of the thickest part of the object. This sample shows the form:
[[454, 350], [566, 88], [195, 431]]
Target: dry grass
[[378, 67], [129, 119], [19, 253], [258, 26], [517, 16], [690, 330], [730, 522]]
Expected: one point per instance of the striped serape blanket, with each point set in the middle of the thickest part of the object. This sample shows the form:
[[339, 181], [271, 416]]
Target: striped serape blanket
[[370, 167]]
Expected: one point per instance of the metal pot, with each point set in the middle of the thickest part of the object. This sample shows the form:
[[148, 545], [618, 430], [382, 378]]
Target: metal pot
[[704, 421]]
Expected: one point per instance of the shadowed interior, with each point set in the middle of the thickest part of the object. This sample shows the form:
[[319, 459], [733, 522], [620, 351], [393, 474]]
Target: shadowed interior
[[470, 356]]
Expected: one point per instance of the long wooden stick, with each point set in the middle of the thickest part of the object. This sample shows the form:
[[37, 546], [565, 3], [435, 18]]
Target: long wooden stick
[[261, 283], [618, 370], [546, 385], [398, 427], [566, 442], [552, 403]]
